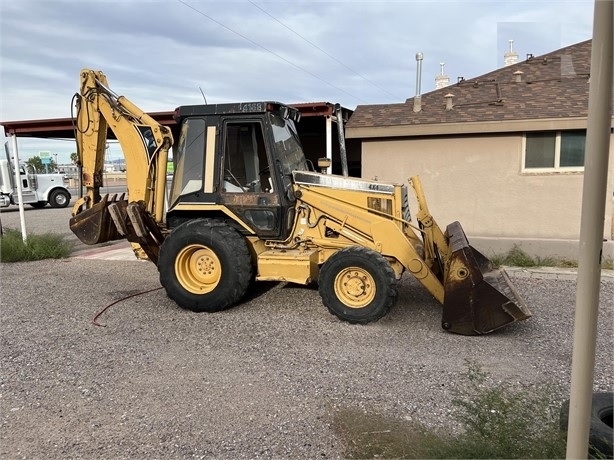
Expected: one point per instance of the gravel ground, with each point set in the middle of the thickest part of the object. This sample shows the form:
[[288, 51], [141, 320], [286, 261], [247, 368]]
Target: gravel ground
[[263, 379]]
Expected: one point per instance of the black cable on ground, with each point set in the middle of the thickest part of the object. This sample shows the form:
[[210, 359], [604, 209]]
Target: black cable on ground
[[97, 315]]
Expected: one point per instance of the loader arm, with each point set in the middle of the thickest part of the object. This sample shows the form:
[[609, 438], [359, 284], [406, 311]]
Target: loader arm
[[337, 212], [145, 145], [436, 246], [342, 206]]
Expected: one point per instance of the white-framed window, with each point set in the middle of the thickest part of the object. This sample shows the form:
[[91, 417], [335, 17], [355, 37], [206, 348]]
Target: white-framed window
[[548, 151]]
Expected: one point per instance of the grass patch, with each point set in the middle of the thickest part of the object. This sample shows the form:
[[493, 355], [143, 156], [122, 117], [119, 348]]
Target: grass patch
[[497, 422], [516, 257], [36, 247]]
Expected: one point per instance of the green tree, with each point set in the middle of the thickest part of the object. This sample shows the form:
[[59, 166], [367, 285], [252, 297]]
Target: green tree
[[37, 164], [74, 158]]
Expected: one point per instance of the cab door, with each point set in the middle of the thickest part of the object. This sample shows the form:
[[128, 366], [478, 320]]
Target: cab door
[[247, 183]]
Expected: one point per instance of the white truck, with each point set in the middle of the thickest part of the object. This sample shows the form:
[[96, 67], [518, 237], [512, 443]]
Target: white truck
[[37, 189]]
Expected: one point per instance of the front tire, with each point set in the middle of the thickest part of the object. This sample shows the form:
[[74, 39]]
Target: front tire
[[205, 265], [357, 285], [59, 199]]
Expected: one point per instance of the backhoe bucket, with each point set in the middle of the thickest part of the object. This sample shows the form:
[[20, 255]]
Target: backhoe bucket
[[95, 225], [479, 298]]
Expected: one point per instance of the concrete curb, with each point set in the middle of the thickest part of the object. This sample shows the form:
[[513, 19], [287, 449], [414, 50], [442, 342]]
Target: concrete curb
[[117, 251], [552, 273]]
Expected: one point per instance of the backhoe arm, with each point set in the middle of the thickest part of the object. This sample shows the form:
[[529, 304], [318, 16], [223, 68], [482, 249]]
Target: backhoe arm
[[145, 145]]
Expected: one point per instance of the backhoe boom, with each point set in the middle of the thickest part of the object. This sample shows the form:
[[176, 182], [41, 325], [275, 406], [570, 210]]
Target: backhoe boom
[[145, 145]]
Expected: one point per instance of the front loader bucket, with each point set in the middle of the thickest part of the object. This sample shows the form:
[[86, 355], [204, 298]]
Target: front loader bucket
[[479, 298], [95, 225]]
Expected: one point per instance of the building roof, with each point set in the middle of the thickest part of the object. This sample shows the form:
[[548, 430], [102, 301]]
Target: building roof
[[63, 128], [549, 87]]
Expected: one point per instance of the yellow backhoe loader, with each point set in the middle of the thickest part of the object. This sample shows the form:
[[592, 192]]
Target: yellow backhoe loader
[[244, 205]]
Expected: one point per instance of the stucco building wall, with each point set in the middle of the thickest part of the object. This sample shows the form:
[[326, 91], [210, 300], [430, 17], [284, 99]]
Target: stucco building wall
[[478, 180]]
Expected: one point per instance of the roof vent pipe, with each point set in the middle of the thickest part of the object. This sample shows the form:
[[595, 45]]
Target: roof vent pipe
[[418, 97], [448, 97], [518, 76]]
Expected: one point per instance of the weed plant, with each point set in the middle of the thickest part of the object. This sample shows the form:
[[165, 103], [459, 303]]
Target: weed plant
[[497, 422], [500, 422], [516, 257], [36, 247]]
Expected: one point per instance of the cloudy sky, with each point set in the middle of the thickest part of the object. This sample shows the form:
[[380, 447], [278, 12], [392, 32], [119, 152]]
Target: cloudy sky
[[159, 53]]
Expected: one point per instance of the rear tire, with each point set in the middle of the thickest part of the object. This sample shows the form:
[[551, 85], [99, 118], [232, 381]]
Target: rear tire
[[600, 431], [357, 285], [205, 265], [59, 199]]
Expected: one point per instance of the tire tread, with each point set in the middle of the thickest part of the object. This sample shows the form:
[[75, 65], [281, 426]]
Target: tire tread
[[381, 264], [206, 229]]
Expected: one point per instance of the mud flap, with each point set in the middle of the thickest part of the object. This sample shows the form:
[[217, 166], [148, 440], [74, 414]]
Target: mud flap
[[95, 225], [479, 298]]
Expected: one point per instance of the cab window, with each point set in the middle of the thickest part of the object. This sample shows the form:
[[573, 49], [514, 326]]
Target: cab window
[[245, 161], [190, 154]]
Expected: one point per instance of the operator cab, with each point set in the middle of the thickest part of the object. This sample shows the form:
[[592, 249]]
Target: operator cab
[[237, 159]]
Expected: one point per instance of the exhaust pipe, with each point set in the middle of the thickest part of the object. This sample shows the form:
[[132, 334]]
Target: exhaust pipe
[[418, 97]]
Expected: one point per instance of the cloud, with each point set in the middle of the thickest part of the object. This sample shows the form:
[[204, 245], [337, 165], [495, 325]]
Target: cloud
[[158, 53]]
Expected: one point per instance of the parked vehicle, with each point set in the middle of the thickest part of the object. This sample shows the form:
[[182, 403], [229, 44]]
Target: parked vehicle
[[37, 189], [244, 205]]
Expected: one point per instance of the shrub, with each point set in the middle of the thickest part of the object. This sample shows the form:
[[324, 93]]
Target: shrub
[[500, 422], [36, 247]]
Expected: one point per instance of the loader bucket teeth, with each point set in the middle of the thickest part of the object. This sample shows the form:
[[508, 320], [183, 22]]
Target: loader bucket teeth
[[95, 225], [479, 298]]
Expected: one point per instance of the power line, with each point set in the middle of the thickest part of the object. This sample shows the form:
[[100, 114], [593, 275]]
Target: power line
[[270, 51], [323, 51]]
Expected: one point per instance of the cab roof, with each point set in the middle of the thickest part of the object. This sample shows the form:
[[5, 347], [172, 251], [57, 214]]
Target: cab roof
[[229, 108]]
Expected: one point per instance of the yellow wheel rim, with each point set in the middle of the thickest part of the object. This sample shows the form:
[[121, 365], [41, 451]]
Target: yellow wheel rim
[[355, 287], [198, 269]]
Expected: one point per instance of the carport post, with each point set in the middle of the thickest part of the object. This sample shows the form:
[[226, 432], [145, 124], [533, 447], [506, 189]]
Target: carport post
[[22, 216], [591, 230], [341, 136], [329, 138]]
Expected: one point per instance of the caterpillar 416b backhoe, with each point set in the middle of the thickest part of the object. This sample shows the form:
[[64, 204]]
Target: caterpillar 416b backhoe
[[244, 205]]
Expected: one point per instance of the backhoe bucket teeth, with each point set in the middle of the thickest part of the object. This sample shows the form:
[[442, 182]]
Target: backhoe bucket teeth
[[95, 225], [479, 298]]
